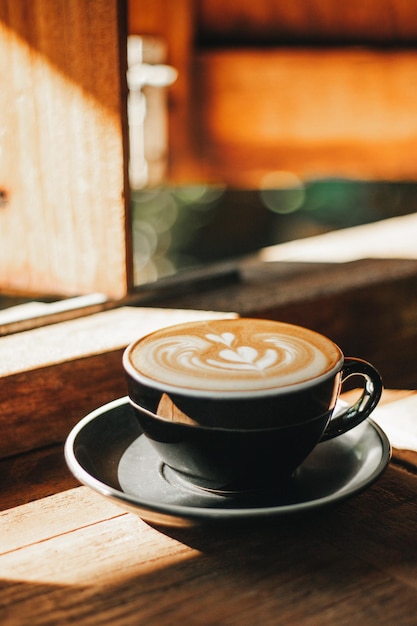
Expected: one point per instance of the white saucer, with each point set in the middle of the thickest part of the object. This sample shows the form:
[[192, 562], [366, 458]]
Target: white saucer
[[108, 452]]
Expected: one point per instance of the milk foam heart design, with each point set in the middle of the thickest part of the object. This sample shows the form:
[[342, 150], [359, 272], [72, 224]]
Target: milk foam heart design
[[245, 357], [226, 338], [242, 354]]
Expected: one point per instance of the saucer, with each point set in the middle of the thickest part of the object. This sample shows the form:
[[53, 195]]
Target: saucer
[[108, 452]]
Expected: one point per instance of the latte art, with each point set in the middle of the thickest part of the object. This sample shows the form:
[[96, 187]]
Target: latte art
[[233, 356]]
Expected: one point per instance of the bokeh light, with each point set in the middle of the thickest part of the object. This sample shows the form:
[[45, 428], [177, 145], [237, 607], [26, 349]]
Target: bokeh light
[[282, 192]]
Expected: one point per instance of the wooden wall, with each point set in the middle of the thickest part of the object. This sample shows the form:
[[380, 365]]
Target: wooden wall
[[313, 86], [306, 22], [64, 224]]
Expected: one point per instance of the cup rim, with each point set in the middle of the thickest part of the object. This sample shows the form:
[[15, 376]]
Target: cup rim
[[207, 394]]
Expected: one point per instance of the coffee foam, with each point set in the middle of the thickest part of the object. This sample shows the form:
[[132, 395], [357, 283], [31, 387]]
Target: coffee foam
[[232, 357]]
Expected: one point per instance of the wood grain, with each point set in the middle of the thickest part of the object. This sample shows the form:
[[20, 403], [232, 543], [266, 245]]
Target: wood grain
[[244, 105], [313, 112], [34, 475], [73, 557], [63, 163], [300, 21]]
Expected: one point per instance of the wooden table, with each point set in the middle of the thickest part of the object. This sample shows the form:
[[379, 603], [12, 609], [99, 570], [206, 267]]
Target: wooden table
[[73, 557]]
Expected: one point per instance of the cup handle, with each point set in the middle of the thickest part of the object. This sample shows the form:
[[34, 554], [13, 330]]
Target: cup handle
[[353, 415]]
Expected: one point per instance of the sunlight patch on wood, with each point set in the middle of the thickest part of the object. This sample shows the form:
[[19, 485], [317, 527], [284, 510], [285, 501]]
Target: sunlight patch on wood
[[393, 238]]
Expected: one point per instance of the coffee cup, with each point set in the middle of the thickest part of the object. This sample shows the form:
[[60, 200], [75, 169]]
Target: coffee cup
[[236, 405]]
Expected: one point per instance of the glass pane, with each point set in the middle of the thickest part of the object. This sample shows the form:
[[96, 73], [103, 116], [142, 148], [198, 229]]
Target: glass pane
[[183, 228]]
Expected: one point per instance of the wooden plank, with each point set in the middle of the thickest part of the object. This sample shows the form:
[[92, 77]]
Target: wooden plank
[[92, 509], [51, 377], [119, 569], [313, 112], [33, 313], [34, 475], [318, 21], [239, 113], [65, 227]]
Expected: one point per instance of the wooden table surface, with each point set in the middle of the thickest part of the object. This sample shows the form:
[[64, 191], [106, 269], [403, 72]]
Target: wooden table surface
[[67, 555]]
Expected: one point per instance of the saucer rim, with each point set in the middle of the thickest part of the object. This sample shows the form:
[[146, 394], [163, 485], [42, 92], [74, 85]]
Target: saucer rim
[[153, 510]]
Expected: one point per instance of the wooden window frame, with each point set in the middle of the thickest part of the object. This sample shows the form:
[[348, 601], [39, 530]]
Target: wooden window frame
[[65, 222]]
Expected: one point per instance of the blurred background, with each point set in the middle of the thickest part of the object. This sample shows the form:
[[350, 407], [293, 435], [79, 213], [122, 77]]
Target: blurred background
[[240, 125], [252, 124]]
